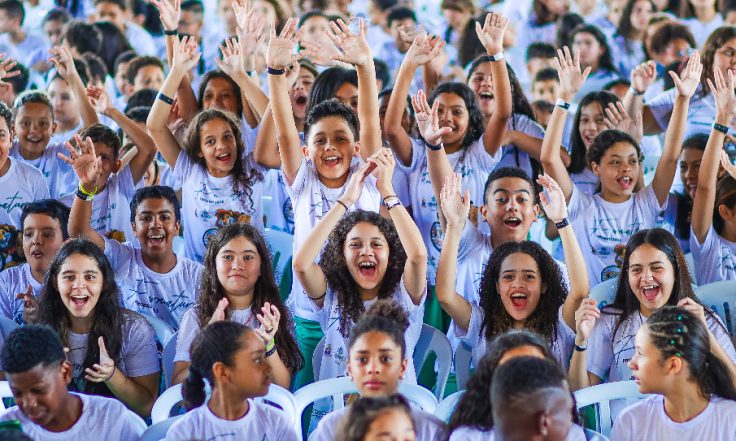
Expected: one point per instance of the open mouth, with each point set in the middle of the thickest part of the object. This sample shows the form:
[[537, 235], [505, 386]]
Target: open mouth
[[156, 239], [301, 100], [331, 161], [512, 222], [519, 300], [367, 269], [36, 254], [80, 300], [224, 157], [625, 182], [650, 292], [485, 97]]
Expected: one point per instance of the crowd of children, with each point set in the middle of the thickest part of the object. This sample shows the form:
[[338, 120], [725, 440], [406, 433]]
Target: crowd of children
[[476, 166]]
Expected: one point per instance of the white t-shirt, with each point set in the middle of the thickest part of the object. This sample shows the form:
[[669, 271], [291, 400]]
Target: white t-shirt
[[648, 421], [99, 415], [140, 39], [609, 355], [209, 203], [60, 177], [586, 181], [311, 201], [715, 258], [190, 329], [603, 228], [466, 433], [20, 52], [59, 137], [138, 355], [166, 296], [473, 163], [513, 156], [111, 206], [428, 427], [701, 30], [700, 113], [15, 280], [261, 423]]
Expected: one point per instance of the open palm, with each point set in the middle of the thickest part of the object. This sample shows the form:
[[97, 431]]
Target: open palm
[[687, 83]]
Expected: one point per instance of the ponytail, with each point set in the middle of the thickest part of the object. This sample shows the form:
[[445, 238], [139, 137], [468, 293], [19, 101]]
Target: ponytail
[[715, 379], [193, 389]]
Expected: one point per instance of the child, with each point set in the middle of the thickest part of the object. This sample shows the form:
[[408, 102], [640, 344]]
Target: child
[[145, 72], [539, 56], [116, 12], [394, 51], [702, 18], [713, 233], [619, 210], [221, 183], [629, 40], [44, 230], [521, 286], [377, 362], [238, 284], [112, 350], [38, 374], [53, 27], [17, 43], [595, 54], [378, 418], [545, 85], [654, 274], [695, 393], [230, 356]]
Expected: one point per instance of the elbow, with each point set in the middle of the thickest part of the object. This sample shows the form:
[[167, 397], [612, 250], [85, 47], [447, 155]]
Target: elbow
[[418, 257]]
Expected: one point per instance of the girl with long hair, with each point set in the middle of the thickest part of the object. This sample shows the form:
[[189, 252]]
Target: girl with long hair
[[595, 54], [629, 40]]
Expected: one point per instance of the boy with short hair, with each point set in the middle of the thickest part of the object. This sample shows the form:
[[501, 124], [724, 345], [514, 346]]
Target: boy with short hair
[[53, 26], [545, 85], [539, 56], [115, 12], [43, 232], [15, 85], [80, 37], [38, 373], [393, 51], [14, 41], [145, 72]]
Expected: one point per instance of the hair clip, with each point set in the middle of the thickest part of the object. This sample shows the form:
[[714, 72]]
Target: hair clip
[[672, 342], [679, 354], [679, 317]]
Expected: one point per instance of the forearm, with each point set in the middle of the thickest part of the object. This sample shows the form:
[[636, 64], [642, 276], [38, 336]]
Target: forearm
[[415, 269], [439, 168], [430, 76], [451, 302], [702, 213], [287, 136], [279, 372], [134, 395], [257, 100], [718, 351], [578, 373], [579, 286], [675, 131], [395, 133], [529, 144], [266, 151], [79, 218], [86, 111], [370, 125], [305, 256]]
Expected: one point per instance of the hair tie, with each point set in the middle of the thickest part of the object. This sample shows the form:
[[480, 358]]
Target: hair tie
[[679, 354]]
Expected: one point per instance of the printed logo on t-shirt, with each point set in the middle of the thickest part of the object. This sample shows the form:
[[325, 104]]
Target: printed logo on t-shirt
[[225, 217], [116, 235], [14, 202], [147, 302], [288, 212], [435, 234], [10, 251], [612, 271]]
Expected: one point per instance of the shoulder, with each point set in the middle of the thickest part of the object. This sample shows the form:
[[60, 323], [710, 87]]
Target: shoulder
[[112, 411], [641, 410], [26, 170], [268, 415], [136, 326]]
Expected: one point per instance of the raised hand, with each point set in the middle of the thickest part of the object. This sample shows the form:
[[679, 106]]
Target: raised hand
[[84, 161], [355, 185], [169, 12], [585, 318], [323, 54], [491, 33], [643, 76], [232, 61], [63, 62], [219, 314], [99, 99], [269, 320], [693, 307], [428, 120], [30, 305], [354, 47], [280, 48], [6, 68], [727, 165], [105, 369], [250, 32], [455, 205], [552, 199], [424, 48], [723, 94], [618, 118], [572, 77], [384, 172], [185, 55], [687, 84], [408, 33], [292, 74]]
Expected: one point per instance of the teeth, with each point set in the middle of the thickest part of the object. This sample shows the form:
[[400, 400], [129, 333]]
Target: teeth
[[518, 295], [160, 236], [331, 158], [366, 265]]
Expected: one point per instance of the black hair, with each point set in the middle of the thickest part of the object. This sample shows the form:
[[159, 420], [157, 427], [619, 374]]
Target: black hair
[[543, 106], [108, 319], [123, 57], [95, 65], [82, 69], [684, 201], [265, 289], [715, 41], [474, 408], [214, 74], [216, 342], [7, 115], [139, 62], [142, 98], [605, 140], [57, 14], [101, 134], [327, 83], [20, 81], [13, 9], [605, 60], [30, 346], [398, 13], [668, 32], [547, 74], [726, 196], [543, 319], [626, 28], [687, 10], [510, 172], [32, 96], [120, 3], [364, 411], [475, 118], [383, 73], [384, 316], [138, 114], [469, 46], [309, 14], [51, 208], [578, 152], [565, 24], [540, 49], [83, 36], [677, 332], [384, 5], [333, 264], [616, 82], [114, 43], [195, 6], [155, 192], [541, 15], [332, 108]]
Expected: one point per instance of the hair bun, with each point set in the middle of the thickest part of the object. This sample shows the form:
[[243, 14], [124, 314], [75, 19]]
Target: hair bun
[[391, 310]]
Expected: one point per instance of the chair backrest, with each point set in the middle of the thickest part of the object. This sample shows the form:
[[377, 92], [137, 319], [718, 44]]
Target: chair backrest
[[4, 393], [167, 360], [317, 355], [601, 396], [463, 359], [591, 435], [281, 398], [447, 406], [432, 340], [282, 247], [164, 332], [157, 432], [603, 293], [690, 261], [165, 403], [721, 297], [336, 388], [6, 327]]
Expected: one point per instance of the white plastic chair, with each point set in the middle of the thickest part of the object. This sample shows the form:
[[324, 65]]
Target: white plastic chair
[[721, 297], [690, 260], [432, 340], [157, 432], [604, 293], [336, 388], [602, 395], [164, 332], [317, 355], [6, 327], [4, 393], [463, 359], [167, 360], [282, 248], [591, 435], [277, 396], [447, 406]]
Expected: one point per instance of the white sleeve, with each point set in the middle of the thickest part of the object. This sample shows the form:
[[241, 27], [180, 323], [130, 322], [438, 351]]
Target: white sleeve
[[40, 187], [183, 167], [706, 256], [716, 326], [141, 355], [600, 349], [580, 204], [132, 426], [623, 426], [661, 107], [484, 161], [300, 181], [471, 336], [120, 255], [188, 330], [125, 182], [417, 157]]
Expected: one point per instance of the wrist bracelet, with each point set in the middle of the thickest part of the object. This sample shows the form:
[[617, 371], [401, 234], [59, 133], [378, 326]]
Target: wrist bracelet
[[85, 197], [271, 344], [562, 104], [637, 93], [581, 348], [562, 224], [391, 203], [433, 147], [497, 57], [389, 196], [272, 71], [85, 192], [342, 203], [166, 99], [720, 127], [171, 32], [270, 352]]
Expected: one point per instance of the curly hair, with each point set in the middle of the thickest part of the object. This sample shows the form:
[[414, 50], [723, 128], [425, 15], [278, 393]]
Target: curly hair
[[108, 318], [365, 410], [543, 320], [475, 117], [385, 316], [333, 264], [265, 289], [244, 176], [578, 151], [607, 139]]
